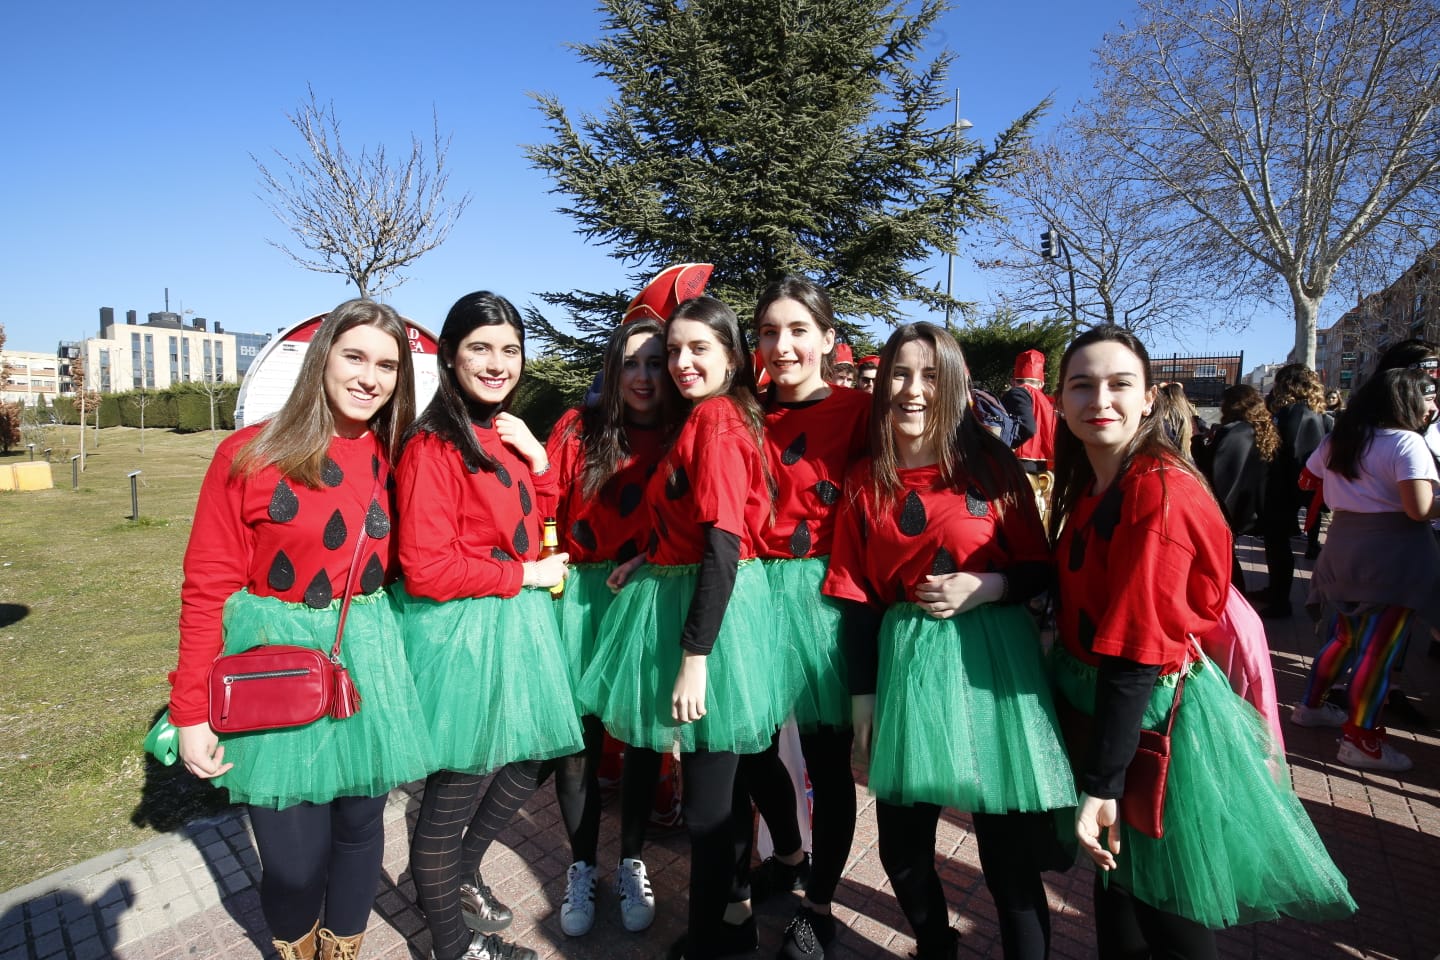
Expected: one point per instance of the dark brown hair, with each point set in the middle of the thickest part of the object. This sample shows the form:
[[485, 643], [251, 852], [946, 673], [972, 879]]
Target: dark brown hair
[[602, 426], [816, 302]]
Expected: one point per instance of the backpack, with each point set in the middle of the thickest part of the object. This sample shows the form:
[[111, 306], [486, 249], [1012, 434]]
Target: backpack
[[994, 416]]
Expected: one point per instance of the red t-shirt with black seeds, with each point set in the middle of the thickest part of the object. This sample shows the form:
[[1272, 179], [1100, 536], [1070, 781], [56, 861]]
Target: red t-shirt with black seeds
[[883, 553], [1142, 566], [808, 448], [466, 534], [276, 538], [712, 473], [614, 525]]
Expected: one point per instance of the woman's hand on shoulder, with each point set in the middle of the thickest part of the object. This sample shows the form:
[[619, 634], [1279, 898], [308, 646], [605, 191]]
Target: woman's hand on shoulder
[[517, 436], [687, 699], [947, 594], [546, 572], [201, 752], [1096, 819]]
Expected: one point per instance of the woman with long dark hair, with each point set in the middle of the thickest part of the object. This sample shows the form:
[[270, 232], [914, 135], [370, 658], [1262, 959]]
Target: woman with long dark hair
[[1380, 565], [685, 655], [480, 627], [1233, 459], [292, 513], [1143, 556], [603, 455], [813, 432], [939, 534]]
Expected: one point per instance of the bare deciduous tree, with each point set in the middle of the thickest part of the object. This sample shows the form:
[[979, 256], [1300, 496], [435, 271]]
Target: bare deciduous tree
[[1290, 134], [363, 217], [1129, 262]]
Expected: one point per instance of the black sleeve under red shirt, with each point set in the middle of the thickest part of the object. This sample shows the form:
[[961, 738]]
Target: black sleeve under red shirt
[[466, 534], [276, 537]]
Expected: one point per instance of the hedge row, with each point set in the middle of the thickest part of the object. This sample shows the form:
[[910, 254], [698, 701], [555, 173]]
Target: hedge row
[[184, 409]]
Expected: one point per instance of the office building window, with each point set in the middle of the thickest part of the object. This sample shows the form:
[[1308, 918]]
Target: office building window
[[219, 361], [185, 359]]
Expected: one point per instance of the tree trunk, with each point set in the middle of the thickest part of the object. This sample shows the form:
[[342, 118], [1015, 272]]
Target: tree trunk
[[1307, 310], [81, 398]]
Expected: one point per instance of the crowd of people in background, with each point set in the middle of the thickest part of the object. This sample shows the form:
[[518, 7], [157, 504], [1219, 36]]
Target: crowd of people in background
[[863, 548]]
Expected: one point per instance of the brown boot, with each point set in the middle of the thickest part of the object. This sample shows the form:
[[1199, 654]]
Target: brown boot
[[340, 948], [302, 949]]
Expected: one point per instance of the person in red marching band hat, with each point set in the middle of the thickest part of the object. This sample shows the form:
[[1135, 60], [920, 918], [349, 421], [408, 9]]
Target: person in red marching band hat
[[842, 366], [1034, 411]]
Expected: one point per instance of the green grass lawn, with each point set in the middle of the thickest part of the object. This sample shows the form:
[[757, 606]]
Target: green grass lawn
[[89, 602]]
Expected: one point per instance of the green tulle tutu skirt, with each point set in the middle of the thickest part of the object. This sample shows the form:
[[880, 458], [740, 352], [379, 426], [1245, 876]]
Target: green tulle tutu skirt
[[1238, 846], [383, 745], [492, 679], [629, 683], [580, 610], [964, 716], [810, 623]]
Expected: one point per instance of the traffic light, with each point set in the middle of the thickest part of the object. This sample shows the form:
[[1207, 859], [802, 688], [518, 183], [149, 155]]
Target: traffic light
[[1049, 244]]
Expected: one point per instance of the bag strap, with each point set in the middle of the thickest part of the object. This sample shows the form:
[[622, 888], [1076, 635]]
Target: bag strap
[[1194, 648], [355, 560]]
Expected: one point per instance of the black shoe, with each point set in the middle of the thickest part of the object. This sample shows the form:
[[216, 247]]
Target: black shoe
[[480, 910], [774, 877], [946, 948], [807, 937], [488, 946]]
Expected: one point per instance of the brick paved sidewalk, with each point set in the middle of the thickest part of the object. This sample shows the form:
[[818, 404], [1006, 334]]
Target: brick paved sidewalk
[[192, 894]]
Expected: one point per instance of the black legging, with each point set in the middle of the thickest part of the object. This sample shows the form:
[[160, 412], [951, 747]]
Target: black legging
[[709, 801], [577, 788], [832, 825], [1126, 929], [1009, 844], [319, 854], [450, 842], [639, 776]]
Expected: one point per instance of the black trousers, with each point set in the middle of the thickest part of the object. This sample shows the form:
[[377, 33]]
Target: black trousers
[[711, 801], [1126, 929], [316, 856], [1011, 847]]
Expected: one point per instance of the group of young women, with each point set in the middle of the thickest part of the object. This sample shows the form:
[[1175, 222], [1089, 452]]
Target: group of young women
[[735, 557]]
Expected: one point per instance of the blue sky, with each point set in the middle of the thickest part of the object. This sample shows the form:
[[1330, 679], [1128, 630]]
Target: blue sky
[[129, 130]]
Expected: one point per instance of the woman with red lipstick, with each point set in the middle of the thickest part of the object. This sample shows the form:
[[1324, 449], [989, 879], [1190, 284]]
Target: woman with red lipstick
[[603, 455], [813, 432], [685, 654], [292, 514], [479, 624], [1236, 844], [937, 547]]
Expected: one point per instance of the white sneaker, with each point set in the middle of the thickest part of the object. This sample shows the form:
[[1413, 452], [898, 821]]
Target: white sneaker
[[577, 913], [637, 901], [1325, 715], [1381, 757]]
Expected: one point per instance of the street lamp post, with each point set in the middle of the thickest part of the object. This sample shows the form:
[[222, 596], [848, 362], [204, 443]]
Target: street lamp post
[[961, 126]]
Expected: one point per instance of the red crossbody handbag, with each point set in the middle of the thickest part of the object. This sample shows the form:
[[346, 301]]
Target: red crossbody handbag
[[273, 686], [1143, 803]]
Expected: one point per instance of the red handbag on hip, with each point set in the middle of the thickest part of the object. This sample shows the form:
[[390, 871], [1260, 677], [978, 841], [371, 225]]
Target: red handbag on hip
[[273, 686], [1143, 803]]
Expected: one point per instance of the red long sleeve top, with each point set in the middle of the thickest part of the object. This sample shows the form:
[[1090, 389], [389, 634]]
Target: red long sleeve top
[[1141, 567], [712, 474], [614, 525], [276, 538], [466, 534], [809, 447]]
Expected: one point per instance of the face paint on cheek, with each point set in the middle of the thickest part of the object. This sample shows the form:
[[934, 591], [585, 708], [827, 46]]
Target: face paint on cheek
[[809, 358]]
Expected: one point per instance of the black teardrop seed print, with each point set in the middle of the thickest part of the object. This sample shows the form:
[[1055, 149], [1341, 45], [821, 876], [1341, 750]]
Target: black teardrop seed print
[[912, 515], [319, 593], [497, 553], [377, 522], [503, 476], [677, 484], [282, 573], [525, 504], [828, 493], [1085, 627], [521, 539], [581, 533], [284, 505], [943, 563], [330, 473], [1107, 513], [975, 502], [800, 540], [631, 496], [653, 543], [1077, 550], [794, 452], [629, 550], [334, 537], [372, 578]]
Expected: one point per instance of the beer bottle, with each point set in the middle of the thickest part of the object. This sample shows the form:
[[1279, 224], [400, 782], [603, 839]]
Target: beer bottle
[[549, 546]]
